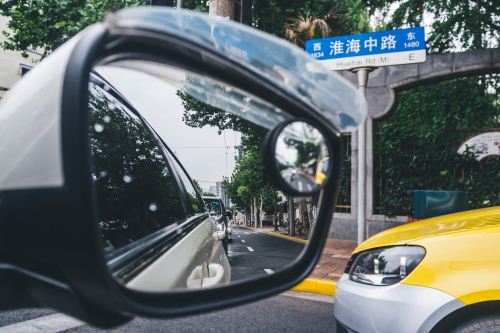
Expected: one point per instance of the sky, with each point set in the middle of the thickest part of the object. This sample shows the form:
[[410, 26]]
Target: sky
[[200, 150]]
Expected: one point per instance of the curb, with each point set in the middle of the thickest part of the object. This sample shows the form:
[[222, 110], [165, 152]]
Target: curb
[[317, 286], [272, 233]]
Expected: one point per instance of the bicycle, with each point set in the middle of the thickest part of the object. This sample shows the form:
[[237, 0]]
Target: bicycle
[[283, 227], [302, 229]]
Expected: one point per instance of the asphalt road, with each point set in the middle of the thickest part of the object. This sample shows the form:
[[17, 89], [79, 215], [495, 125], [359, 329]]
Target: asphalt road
[[295, 312], [299, 181], [255, 253], [276, 314]]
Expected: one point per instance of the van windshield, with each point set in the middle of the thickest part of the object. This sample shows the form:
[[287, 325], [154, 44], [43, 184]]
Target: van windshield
[[213, 206]]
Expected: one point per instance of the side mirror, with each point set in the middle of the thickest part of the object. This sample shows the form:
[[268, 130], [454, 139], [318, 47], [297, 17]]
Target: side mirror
[[302, 155], [115, 225]]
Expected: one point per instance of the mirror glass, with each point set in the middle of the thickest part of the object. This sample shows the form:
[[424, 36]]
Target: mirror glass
[[182, 201], [302, 157]]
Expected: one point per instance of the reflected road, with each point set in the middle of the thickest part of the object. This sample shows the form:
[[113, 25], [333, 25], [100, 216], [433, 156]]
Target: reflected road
[[254, 253]]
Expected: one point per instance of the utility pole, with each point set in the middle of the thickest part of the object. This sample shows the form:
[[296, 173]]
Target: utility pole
[[224, 8], [179, 4], [362, 74]]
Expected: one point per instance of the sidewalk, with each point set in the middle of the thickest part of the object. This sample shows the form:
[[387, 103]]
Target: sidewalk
[[336, 254], [322, 280]]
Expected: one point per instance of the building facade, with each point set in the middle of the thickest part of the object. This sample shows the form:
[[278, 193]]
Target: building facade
[[12, 64]]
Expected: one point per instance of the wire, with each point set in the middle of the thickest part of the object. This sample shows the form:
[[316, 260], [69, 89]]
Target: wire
[[204, 147]]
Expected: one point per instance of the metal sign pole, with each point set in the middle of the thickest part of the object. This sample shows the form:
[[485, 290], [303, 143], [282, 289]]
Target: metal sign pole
[[179, 4], [362, 74]]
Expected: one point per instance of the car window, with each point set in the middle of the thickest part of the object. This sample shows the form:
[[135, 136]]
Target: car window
[[195, 204], [135, 188], [324, 166]]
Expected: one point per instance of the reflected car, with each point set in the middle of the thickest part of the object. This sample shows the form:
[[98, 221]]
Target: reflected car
[[230, 224], [321, 170], [217, 209], [134, 168], [436, 275]]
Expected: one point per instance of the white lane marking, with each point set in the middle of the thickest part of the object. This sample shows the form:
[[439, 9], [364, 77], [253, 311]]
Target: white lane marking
[[239, 237], [46, 324], [300, 186], [243, 241], [249, 249], [268, 271]]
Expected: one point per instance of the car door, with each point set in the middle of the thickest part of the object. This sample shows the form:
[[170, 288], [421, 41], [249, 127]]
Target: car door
[[151, 218], [216, 268]]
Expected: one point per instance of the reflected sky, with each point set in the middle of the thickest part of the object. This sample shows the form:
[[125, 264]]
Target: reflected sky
[[201, 150]]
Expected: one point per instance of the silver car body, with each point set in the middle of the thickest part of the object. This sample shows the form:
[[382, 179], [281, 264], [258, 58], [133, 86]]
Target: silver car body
[[197, 261], [396, 308]]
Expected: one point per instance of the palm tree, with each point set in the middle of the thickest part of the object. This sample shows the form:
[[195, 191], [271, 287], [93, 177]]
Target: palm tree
[[306, 27]]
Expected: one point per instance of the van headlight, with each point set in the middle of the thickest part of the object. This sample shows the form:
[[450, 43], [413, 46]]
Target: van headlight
[[221, 227], [384, 266]]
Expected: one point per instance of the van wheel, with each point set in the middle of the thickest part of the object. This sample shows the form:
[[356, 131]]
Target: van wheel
[[487, 324]]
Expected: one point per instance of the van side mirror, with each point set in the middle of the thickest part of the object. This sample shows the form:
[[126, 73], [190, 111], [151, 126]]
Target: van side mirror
[[115, 227]]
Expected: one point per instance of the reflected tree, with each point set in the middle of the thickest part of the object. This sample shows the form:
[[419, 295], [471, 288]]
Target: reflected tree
[[135, 191], [248, 187]]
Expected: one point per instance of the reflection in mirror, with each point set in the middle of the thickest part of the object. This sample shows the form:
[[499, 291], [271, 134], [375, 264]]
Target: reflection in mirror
[[302, 157], [181, 197]]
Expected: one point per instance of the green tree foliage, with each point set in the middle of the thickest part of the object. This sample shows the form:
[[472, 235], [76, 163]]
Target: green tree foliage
[[306, 151], [456, 24], [417, 145], [197, 5], [136, 190], [247, 181], [46, 24]]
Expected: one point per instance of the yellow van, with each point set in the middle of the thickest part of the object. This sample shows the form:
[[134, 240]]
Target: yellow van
[[437, 275]]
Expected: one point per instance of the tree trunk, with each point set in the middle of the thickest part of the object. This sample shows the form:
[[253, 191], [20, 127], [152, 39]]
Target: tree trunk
[[224, 8], [251, 216], [477, 41], [255, 212], [261, 211]]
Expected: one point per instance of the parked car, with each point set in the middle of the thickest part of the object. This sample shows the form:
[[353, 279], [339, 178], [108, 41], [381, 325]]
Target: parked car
[[98, 218], [436, 275], [131, 149]]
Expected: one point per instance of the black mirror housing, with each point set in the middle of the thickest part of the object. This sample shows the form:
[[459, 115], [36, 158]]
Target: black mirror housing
[[52, 250]]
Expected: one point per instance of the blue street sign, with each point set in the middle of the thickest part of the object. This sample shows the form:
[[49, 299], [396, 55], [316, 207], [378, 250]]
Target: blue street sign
[[382, 48]]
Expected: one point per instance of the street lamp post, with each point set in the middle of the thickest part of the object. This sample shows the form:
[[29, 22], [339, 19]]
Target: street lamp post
[[362, 74]]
